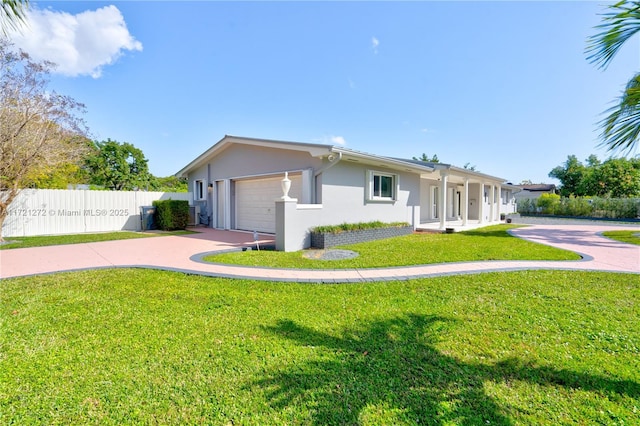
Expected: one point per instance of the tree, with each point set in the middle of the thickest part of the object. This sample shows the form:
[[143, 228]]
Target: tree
[[621, 126], [424, 157], [118, 166], [39, 128], [12, 14], [616, 177], [471, 167], [570, 174], [59, 178], [170, 184]]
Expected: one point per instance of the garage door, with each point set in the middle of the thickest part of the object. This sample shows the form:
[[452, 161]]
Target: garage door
[[255, 202]]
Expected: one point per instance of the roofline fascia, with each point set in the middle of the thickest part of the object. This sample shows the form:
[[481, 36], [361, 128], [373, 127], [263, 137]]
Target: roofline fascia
[[394, 163], [315, 150]]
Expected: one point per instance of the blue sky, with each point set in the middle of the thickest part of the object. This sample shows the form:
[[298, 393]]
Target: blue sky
[[504, 86]]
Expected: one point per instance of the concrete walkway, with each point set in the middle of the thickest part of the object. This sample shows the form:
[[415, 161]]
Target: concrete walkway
[[184, 254]]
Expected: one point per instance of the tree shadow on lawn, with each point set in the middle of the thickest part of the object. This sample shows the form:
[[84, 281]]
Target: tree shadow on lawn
[[392, 368]]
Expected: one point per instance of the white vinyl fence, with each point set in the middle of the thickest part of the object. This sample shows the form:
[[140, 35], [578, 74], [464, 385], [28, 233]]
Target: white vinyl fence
[[55, 211]]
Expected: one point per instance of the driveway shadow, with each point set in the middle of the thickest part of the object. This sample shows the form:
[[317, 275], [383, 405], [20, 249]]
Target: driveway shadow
[[393, 367]]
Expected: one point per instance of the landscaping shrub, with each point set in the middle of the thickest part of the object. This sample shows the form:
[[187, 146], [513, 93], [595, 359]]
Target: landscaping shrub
[[335, 229], [527, 206], [596, 207], [548, 203], [171, 214], [575, 206]]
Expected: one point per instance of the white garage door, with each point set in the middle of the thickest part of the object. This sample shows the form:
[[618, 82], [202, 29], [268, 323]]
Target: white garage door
[[255, 202]]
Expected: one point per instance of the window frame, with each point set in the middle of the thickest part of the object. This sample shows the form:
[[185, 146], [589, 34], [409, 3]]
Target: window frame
[[199, 190], [371, 193]]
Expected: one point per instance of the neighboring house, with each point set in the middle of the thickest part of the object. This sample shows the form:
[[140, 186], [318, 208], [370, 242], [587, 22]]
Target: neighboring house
[[237, 183], [533, 191]]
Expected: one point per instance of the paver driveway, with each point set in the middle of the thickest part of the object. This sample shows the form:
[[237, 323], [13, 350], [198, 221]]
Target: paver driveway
[[182, 253]]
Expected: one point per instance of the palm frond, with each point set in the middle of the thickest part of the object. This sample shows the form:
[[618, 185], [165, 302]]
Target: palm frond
[[621, 127], [12, 14], [619, 24]]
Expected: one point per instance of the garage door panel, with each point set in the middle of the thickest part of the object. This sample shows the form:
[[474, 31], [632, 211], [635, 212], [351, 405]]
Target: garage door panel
[[255, 202]]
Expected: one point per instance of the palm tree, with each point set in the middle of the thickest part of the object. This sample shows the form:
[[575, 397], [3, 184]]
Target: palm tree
[[12, 14], [621, 126]]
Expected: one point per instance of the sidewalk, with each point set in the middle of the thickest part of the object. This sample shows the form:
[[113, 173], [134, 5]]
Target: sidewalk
[[184, 254]]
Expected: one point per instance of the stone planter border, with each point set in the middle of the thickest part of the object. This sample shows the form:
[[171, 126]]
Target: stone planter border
[[323, 240]]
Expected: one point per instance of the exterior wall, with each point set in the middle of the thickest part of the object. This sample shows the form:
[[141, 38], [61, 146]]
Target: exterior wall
[[508, 204], [344, 196], [526, 194], [56, 212], [237, 161]]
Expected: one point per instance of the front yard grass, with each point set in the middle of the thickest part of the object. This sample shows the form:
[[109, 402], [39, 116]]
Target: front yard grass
[[489, 243], [130, 346], [54, 240], [630, 237]]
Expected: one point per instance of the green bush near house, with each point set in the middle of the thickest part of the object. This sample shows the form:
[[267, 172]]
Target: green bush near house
[[344, 227], [171, 214]]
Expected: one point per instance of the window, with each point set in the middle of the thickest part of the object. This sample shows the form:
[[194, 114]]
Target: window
[[199, 190], [382, 186]]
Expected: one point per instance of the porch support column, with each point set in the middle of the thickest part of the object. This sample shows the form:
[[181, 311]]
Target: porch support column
[[465, 202], [442, 207], [492, 204], [481, 204], [499, 201]]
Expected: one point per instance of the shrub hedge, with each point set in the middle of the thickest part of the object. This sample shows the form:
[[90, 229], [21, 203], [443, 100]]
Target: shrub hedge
[[335, 229], [171, 214], [596, 207]]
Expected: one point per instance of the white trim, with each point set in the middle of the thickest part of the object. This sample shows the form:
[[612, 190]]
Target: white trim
[[199, 190], [395, 187]]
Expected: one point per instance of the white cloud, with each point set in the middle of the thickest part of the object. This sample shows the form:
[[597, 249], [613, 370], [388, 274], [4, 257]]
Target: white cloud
[[79, 44], [337, 140], [374, 44]]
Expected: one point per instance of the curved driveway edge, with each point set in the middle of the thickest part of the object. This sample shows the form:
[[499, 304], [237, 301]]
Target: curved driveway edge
[[181, 254]]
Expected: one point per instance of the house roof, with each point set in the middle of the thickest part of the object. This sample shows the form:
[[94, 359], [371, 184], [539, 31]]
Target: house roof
[[458, 170], [315, 150], [325, 150], [538, 187]]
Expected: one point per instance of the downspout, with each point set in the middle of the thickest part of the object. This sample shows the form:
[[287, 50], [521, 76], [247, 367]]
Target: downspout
[[333, 160]]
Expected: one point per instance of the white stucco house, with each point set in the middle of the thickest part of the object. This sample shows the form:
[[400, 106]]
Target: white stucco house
[[236, 184]]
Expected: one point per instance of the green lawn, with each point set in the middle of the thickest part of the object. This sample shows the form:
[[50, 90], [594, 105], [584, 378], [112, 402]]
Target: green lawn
[[131, 346], [631, 237], [489, 243], [54, 240]]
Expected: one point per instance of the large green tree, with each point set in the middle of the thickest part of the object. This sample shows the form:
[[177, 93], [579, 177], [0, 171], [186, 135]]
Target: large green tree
[[615, 177], [570, 174], [118, 166], [39, 128], [621, 126]]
